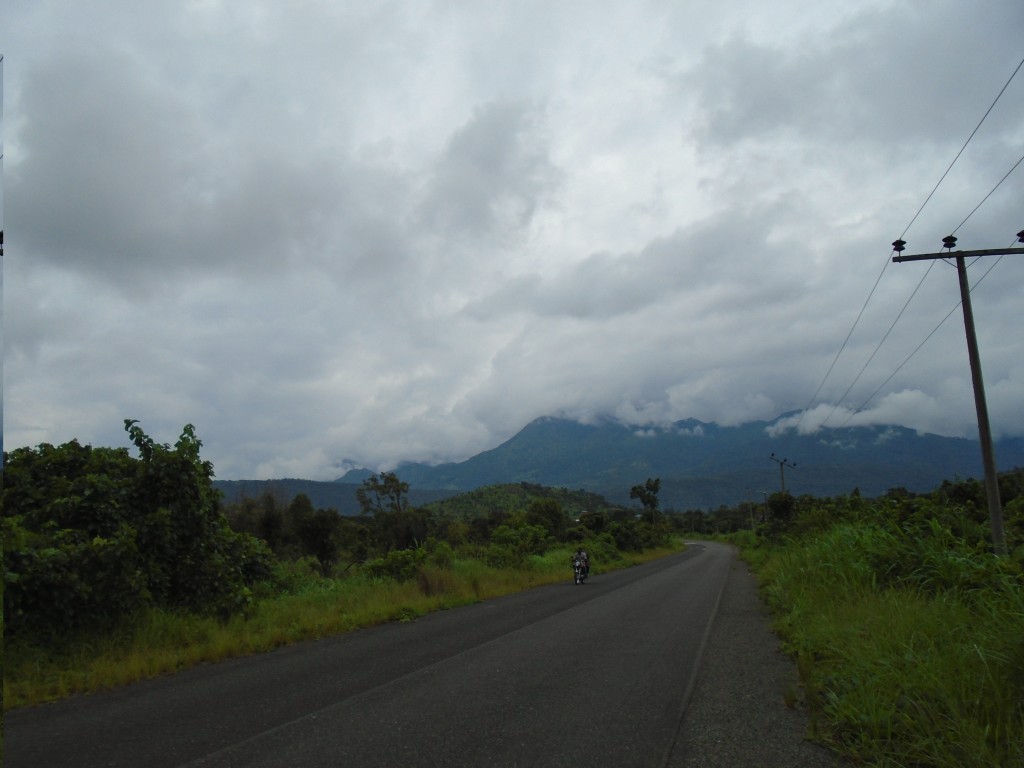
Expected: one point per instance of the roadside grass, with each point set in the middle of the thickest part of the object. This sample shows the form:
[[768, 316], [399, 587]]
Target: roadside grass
[[916, 667], [163, 642]]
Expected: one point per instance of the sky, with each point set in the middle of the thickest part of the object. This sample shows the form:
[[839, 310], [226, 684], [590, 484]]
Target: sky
[[340, 234]]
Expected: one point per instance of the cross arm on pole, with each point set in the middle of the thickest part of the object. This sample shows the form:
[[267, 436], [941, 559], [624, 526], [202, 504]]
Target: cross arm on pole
[[954, 254]]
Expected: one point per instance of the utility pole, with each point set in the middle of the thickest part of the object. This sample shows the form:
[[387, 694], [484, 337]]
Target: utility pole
[[988, 459], [783, 463]]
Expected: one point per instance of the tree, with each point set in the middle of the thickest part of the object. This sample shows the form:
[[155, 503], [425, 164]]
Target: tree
[[270, 525], [548, 514], [319, 536], [91, 535], [648, 495], [397, 525], [383, 493], [781, 512]]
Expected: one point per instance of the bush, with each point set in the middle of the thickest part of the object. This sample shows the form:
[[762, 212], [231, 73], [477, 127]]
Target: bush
[[441, 553], [781, 510], [92, 535], [907, 634], [398, 564], [636, 536], [511, 546], [59, 582]]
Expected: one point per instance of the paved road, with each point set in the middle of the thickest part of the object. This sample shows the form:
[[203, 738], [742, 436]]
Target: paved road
[[591, 675]]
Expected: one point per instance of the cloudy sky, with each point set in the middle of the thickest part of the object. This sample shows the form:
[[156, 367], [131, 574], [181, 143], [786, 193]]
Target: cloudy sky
[[353, 233]]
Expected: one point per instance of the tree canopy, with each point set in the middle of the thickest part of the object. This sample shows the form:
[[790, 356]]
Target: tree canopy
[[93, 534]]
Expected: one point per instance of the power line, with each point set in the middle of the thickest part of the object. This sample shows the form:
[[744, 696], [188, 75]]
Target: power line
[[880, 343], [900, 239], [900, 366], [934, 330], [988, 195], [841, 348], [983, 117], [914, 293]]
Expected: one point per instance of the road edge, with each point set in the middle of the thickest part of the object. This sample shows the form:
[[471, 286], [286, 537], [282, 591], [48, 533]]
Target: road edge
[[737, 715]]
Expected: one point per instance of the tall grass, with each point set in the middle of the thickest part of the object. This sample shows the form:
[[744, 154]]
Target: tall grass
[[910, 645], [301, 606]]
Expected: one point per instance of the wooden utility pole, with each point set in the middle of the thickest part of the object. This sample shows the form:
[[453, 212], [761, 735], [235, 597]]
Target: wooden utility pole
[[988, 459], [783, 463]]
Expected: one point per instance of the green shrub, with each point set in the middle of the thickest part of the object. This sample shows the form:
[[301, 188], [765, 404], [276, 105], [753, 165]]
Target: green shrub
[[441, 553], [636, 535], [511, 546], [398, 564], [93, 535], [908, 633]]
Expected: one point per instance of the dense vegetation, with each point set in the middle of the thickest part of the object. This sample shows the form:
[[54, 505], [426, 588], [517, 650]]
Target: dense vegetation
[[907, 631], [92, 535], [118, 566]]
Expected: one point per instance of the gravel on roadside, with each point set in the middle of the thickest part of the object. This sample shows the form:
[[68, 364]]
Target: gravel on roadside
[[738, 716]]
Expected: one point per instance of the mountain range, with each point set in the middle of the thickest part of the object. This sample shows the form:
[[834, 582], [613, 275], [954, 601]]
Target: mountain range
[[701, 465]]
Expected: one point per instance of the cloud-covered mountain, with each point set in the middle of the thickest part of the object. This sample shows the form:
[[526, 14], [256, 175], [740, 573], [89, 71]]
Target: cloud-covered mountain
[[704, 465]]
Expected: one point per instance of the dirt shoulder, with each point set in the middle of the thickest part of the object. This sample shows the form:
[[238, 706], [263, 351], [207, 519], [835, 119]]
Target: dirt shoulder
[[738, 715]]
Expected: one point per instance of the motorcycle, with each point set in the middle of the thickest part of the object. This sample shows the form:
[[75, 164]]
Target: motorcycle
[[579, 571]]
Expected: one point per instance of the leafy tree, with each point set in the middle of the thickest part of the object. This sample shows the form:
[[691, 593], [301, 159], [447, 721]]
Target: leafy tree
[[596, 522], [92, 535], [648, 495], [300, 511], [354, 537], [636, 535], [318, 534], [481, 528], [271, 524], [397, 524], [383, 493], [781, 511], [510, 546], [548, 514]]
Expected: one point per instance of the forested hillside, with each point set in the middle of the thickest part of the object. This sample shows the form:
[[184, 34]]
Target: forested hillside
[[704, 466]]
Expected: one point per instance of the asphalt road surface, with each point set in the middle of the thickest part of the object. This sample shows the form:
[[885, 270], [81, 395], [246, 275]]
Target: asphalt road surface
[[593, 675]]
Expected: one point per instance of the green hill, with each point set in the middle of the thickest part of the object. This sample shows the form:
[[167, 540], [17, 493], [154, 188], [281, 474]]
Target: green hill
[[514, 497]]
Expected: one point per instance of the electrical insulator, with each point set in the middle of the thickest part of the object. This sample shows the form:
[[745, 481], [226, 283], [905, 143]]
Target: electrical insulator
[[1020, 236], [948, 242], [899, 245]]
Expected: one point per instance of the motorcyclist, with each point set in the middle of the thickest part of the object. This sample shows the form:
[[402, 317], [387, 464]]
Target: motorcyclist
[[584, 558]]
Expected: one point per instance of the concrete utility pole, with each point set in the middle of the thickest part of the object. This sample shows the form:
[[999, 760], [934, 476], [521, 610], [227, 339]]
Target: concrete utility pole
[[783, 463], [988, 459]]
